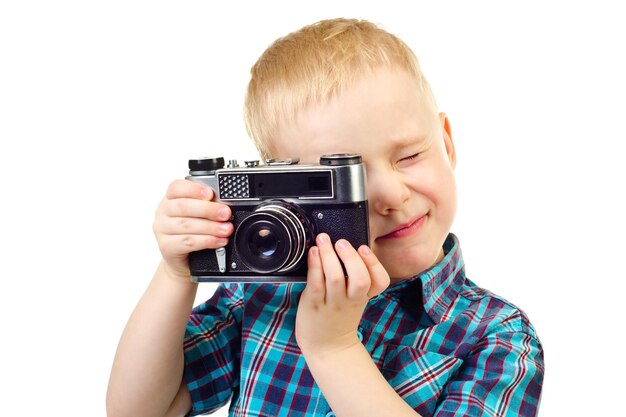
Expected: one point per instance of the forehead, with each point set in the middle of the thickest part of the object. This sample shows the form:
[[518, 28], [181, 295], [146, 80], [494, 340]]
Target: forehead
[[380, 111]]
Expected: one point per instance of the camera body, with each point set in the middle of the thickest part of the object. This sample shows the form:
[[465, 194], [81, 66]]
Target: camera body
[[277, 210]]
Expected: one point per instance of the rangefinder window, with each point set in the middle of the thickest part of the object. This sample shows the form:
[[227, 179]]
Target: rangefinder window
[[299, 184]]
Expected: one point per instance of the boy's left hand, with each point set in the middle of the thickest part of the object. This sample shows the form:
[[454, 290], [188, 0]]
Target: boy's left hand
[[331, 305]]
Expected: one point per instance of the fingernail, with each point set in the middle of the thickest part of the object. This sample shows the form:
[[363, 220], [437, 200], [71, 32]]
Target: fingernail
[[343, 244], [366, 251], [323, 238], [225, 227], [224, 213]]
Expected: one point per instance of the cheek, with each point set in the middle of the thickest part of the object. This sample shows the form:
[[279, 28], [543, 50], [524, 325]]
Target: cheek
[[447, 199], [435, 181], [438, 188]]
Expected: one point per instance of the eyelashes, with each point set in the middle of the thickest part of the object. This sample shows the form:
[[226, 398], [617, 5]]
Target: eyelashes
[[410, 158]]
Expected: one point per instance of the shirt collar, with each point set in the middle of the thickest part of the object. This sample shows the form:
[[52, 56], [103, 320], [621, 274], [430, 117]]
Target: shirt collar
[[440, 283]]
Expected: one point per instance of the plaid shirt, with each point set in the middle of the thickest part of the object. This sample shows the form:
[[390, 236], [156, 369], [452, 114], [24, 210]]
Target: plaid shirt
[[447, 347]]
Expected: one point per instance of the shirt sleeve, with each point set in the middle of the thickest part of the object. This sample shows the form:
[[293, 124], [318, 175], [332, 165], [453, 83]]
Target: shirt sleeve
[[212, 349], [503, 377]]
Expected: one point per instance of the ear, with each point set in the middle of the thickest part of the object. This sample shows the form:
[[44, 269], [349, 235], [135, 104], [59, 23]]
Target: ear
[[447, 138]]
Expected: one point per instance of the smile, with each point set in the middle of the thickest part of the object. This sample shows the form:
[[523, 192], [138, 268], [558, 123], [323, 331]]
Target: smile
[[405, 230]]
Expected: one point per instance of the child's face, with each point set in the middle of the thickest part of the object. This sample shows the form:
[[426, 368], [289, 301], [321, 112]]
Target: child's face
[[409, 159]]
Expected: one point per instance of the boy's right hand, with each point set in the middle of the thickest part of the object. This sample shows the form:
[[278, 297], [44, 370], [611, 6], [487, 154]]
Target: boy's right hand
[[186, 221]]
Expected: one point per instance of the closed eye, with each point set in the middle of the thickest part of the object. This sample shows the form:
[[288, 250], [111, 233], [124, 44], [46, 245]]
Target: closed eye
[[409, 158]]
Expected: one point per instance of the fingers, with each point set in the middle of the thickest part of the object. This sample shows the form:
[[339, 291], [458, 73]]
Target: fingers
[[379, 277], [333, 272], [173, 246], [367, 277], [189, 207], [358, 276], [190, 225], [187, 221], [189, 189], [190, 199], [315, 282]]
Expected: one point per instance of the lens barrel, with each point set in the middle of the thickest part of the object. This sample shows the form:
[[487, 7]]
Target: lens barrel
[[273, 239]]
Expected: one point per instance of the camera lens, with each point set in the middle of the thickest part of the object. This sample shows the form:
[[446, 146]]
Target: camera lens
[[273, 239], [264, 242]]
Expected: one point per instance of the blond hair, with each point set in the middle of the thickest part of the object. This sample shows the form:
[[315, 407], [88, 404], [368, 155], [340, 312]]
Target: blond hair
[[312, 65]]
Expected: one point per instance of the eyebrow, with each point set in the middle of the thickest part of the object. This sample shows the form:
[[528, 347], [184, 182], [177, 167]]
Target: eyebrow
[[406, 141]]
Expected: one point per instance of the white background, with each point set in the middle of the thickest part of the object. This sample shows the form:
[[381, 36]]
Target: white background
[[102, 103]]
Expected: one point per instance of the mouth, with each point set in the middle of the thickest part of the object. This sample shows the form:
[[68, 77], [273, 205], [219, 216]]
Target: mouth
[[405, 229]]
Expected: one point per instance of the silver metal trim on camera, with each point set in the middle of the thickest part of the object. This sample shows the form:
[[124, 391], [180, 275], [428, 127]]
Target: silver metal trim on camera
[[346, 182]]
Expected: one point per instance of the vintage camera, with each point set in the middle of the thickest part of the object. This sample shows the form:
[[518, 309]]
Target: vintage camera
[[278, 208]]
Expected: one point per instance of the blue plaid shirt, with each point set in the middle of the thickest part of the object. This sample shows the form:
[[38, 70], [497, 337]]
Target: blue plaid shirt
[[447, 347]]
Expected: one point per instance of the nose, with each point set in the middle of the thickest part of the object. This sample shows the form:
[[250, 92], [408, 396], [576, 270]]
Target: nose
[[387, 191]]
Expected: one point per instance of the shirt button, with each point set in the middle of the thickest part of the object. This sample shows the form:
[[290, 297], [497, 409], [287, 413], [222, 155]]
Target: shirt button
[[359, 335], [330, 414]]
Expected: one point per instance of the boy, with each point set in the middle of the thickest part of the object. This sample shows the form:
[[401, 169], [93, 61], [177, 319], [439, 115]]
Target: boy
[[405, 334]]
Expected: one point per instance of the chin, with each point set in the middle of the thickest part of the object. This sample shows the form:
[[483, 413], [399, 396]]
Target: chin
[[402, 268], [409, 262]]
